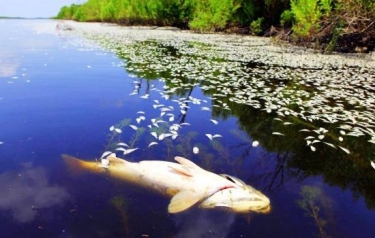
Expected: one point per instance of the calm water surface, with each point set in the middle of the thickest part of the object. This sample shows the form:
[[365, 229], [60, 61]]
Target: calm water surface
[[57, 97]]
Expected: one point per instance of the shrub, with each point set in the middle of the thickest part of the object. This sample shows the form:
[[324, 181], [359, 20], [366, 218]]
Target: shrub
[[307, 15], [256, 26], [213, 15], [287, 18]]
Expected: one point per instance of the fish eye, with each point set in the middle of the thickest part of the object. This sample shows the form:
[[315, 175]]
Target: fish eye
[[229, 178], [234, 180]]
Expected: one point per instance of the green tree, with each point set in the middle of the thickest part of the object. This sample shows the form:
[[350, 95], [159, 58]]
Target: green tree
[[306, 14], [213, 15]]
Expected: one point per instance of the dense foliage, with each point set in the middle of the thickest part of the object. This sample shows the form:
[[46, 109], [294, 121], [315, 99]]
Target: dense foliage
[[349, 24]]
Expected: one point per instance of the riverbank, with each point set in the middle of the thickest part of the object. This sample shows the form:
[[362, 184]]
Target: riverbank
[[346, 26]]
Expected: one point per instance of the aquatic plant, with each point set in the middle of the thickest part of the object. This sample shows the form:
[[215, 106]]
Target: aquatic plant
[[223, 151], [121, 206], [139, 131], [310, 197], [185, 145], [114, 136]]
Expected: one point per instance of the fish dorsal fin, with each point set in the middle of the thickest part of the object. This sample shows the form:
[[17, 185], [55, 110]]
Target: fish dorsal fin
[[183, 200], [113, 160], [186, 167], [180, 169], [186, 163]]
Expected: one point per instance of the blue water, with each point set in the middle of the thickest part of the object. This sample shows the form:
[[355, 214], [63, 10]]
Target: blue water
[[57, 99]]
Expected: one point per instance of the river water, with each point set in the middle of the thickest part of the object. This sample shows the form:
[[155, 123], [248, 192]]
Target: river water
[[67, 91]]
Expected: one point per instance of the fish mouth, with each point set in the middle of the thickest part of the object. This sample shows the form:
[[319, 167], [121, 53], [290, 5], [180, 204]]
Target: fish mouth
[[238, 200], [265, 210]]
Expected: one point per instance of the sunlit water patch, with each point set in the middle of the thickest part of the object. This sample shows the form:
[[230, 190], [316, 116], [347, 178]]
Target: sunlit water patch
[[297, 126]]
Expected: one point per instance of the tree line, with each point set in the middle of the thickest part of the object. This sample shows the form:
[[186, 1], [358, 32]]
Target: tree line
[[343, 25]]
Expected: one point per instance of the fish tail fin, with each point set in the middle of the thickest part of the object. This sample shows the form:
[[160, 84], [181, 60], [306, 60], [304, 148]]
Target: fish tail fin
[[77, 166]]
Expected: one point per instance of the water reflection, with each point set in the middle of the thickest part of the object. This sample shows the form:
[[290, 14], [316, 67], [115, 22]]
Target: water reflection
[[204, 224], [294, 160], [71, 111], [8, 66], [26, 192], [317, 206]]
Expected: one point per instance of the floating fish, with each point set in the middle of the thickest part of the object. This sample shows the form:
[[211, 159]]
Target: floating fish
[[185, 182], [140, 118], [213, 136], [154, 134], [121, 144], [333, 146], [105, 154], [214, 121], [345, 150], [118, 130], [152, 143], [126, 151], [134, 127], [255, 143]]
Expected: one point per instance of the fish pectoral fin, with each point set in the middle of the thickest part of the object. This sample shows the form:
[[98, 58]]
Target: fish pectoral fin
[[182, 201], [181, 169]]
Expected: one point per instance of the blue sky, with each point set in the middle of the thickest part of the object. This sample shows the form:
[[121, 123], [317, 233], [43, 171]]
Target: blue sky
[[33, 8]]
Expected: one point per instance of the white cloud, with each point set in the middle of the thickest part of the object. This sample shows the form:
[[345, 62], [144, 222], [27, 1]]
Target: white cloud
[[24, 192], [204, 223]]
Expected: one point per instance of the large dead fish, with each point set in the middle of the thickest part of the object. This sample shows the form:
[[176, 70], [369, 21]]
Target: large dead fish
[[185, 182]]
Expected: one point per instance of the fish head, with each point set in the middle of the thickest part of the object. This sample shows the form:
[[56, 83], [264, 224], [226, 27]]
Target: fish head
[[241, 198]]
